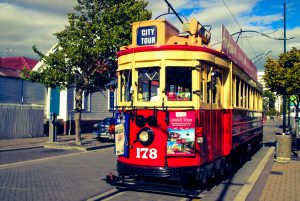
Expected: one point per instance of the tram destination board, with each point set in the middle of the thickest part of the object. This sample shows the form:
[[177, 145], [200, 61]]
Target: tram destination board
[[146, 35]]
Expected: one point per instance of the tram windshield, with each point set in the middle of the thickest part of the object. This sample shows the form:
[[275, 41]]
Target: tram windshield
[[148, 84], [126, 85], [179, 83]]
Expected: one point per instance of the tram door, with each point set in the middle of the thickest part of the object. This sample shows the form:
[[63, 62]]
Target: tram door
[[213, 117]]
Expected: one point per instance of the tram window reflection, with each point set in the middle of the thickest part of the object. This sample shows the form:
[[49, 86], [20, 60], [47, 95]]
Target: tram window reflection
[[126, 85], [148, 84], [179, 83]]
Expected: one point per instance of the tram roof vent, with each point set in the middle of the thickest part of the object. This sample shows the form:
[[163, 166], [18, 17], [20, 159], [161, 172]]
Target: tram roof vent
[[198, 30]]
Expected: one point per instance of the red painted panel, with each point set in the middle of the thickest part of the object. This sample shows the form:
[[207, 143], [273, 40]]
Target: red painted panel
[[227, 129], [217, 132], [155, 153]]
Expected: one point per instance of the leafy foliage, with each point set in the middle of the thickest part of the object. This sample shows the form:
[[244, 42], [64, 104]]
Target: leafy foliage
[[85, 55], [271, 98], [283, 75]]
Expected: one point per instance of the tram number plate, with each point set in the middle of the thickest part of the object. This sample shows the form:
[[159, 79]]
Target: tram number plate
[[146, 153]]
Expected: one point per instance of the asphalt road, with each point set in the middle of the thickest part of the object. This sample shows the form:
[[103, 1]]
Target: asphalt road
[[45, 174], [14, 156]]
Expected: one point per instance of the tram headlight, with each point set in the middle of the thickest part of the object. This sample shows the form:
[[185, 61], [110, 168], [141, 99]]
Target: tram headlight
[[145, 136]]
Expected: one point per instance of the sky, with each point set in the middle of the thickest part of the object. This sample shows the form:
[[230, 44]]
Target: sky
[[25, 23]]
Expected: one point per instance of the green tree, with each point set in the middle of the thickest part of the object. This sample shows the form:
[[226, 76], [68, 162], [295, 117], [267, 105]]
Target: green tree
[[85, 55], [271, 97], [283, 76]]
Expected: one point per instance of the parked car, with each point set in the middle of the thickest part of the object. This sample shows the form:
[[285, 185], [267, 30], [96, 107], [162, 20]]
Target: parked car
[[105, 130]]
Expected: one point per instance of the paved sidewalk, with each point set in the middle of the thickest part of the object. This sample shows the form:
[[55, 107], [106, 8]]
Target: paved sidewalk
[[283, 182], [89, 142], [278, 181]]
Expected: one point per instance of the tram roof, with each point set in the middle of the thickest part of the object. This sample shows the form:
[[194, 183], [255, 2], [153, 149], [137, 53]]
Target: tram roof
[[160, 35]]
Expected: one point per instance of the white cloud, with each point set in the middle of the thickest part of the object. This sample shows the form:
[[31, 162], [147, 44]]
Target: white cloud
[[215, 13], [22, 28], [25, 23]]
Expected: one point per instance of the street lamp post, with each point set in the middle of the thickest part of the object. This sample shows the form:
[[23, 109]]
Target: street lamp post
[[284, 50]]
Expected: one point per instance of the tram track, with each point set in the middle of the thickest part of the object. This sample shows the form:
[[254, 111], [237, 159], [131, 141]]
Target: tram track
[[149, 189]]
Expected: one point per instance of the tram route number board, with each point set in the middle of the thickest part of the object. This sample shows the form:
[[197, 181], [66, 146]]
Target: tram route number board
[[146, 35]]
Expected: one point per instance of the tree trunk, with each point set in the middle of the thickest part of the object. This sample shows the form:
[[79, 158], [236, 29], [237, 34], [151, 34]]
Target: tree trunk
[[78, 100], [297, 120]]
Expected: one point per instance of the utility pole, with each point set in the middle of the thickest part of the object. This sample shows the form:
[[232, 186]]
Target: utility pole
[[284, 50]]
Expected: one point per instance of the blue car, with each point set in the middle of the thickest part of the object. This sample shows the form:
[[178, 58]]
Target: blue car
[[105, 130]]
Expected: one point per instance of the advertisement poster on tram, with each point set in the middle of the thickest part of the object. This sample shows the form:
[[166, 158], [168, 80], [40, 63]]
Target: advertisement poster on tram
[[119, 139], [181, 134]]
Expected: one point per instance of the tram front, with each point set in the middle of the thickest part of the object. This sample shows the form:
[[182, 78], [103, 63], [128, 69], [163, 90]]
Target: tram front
[[158, 131]]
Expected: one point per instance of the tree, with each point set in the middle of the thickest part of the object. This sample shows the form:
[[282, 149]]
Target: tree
[[271, 98], [283, 76], [85, 55]]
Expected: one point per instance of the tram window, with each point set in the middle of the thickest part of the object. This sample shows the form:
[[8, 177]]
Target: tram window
[[148, 84], [237, 95], [242, 93], [216, 86], [126, 85], [213, 86], [178, 83], [202, 86]]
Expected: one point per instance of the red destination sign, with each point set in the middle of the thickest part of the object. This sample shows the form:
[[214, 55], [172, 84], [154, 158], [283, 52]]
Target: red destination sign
[[237, 55]]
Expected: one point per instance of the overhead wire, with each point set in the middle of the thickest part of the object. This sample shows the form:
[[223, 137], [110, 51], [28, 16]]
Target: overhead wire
[[239, 26]]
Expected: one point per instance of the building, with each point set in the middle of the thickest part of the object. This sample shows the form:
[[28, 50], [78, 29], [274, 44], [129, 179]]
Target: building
[[15, 90], [260, 79], [21, 101], [96, 106]]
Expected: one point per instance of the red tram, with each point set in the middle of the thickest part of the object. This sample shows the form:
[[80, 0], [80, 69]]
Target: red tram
[[185, 109]]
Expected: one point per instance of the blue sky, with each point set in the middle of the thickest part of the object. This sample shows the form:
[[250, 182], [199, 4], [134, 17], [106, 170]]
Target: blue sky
[[25, 23]]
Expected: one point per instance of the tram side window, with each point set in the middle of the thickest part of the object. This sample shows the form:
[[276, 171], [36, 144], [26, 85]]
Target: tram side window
[[216, 86], [126, 85], [202, 86], [179, 83], [213, 86], [242, 94], [148, 84], [208, 85], [237, 91]]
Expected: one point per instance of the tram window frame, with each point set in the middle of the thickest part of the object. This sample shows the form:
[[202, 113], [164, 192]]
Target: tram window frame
[[237, 91], [214, 85], [178, 86], [217, 86], [208, 85], [126, 90], [242, 93], [202, 85], [145, 91], [233, 90]]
